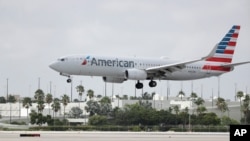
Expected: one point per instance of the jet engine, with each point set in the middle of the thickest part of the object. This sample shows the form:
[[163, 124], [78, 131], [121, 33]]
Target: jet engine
[[113, 79], [135, 74]]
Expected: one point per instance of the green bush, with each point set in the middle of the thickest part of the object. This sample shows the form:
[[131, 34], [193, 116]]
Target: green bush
[[136, 128], [132, 128], [202, 129], [18, 123]]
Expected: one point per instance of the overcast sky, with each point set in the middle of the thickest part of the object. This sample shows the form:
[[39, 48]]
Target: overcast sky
[[33, 33]]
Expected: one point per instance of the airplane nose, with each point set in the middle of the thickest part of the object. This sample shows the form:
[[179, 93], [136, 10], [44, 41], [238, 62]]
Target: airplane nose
[[54, 66]]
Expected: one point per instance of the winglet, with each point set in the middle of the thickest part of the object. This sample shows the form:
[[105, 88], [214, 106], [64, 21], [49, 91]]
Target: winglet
[[212, 52]]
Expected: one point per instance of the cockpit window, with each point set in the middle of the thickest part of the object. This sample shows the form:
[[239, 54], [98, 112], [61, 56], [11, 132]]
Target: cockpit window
[[62, 59]]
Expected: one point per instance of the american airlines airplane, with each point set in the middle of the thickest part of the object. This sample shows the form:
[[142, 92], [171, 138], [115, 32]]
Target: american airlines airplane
[[117, 69]]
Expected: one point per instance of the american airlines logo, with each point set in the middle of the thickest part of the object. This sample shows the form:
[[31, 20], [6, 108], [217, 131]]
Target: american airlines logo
[[108, 62], [85, 60]]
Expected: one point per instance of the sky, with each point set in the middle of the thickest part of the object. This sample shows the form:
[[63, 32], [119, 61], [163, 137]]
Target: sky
[[34, 33]]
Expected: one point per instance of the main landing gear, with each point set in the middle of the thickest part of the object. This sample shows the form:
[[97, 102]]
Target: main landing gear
[[69, 80], [152, 83], [139, 85]]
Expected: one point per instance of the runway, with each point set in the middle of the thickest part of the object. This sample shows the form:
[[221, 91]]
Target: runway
[[113, 136]]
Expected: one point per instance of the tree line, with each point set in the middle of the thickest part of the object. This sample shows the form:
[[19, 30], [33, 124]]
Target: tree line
[[141, 113]]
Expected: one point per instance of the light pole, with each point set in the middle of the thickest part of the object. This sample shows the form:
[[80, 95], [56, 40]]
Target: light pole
[[105, 93], [38, 82], [189, 120], [7, 91], [189, 117], [201, 91], [8, 100], [50, 89], [218, 86], [71, 90], [192, 87], [10, 112], [112, 91], [235, 97], [212, 97], [135, 90], [168, 90]]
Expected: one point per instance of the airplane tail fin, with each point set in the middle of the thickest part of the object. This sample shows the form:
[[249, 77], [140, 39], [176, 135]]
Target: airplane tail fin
[[225, 48]]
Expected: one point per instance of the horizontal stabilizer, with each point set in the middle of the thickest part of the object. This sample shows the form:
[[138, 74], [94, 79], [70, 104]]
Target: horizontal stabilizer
[[235, 64]]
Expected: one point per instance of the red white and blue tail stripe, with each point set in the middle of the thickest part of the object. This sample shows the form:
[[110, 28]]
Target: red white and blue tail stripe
[[225, 48]]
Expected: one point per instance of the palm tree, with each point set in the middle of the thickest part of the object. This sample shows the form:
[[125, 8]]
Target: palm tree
[[193, 96], [221, 105], [181, 94], [170, 109], [39, 96], [147, 96], [199, 101], [152, 95], [2, 99], [40, 106], [65, 101], [80, 90], [176, 109], [90, 94], [56, 105], [245, 106], [201, 109], [49, 99], [186, 110], [185, 115], [239, 95], [26, 104], [11, 99]]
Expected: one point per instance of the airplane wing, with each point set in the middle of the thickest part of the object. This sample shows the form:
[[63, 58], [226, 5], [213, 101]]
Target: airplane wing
[[169, 68], [234, 64]]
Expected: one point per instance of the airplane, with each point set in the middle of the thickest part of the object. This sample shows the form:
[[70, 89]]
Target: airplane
[[115, 69]]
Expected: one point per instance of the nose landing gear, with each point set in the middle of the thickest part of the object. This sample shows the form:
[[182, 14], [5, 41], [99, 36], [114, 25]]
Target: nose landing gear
[[69, 80]]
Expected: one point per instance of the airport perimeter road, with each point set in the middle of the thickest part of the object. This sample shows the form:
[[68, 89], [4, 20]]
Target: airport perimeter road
[[113, 136]]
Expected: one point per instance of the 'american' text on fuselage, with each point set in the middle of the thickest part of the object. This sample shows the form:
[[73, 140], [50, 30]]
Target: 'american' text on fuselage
[[112, 63]]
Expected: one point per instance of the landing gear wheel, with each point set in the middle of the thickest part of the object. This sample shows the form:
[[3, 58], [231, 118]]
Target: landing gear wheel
[[69, 80], [152, 83], [139, 85]]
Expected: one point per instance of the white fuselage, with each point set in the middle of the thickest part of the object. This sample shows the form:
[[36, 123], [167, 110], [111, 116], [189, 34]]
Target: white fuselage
[[105, 66]]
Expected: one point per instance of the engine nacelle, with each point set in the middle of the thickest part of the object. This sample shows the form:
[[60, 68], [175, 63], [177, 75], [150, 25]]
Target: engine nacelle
[[113, 79], [136, 74]]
